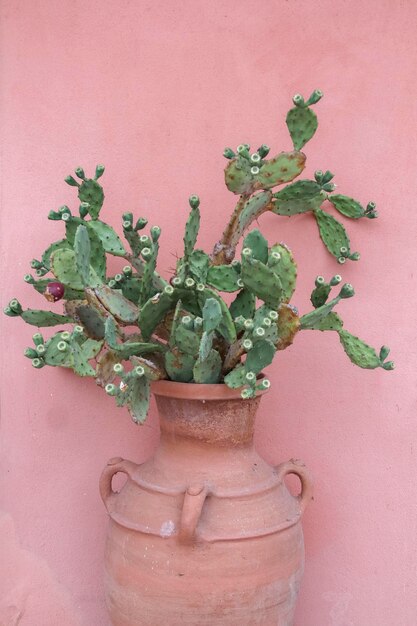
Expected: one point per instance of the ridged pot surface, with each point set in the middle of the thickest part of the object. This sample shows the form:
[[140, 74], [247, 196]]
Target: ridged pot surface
[[205, 532]]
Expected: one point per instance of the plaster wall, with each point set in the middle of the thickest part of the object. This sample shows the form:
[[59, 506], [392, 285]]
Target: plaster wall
[[155, 90]]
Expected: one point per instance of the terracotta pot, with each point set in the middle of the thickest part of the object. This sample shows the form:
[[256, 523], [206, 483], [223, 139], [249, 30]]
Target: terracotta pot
[[206, 532]]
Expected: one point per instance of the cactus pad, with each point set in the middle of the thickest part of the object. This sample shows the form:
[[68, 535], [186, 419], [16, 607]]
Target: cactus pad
[[332, 233], [208, 371], [223, 278], [262, 281], [281, 169], [302, 124], [299, 197], [286, 270], [347, 206], [91, 192], [238, 177], [243, 305], [288, 324], [257, 243], [358, 351], [109, 239]]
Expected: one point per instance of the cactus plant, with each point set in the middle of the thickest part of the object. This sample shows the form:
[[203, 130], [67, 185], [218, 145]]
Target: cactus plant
[[137, 327]]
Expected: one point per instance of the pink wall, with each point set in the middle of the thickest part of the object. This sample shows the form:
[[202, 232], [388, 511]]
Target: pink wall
[[155, 90]]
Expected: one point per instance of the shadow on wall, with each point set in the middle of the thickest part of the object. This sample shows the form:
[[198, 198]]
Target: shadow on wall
[[29, 591]]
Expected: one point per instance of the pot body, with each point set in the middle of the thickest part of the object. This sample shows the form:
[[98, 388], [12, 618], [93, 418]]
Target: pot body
[[205, 532]]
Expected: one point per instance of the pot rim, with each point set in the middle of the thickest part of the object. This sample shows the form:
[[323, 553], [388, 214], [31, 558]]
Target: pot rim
[[198, 391]]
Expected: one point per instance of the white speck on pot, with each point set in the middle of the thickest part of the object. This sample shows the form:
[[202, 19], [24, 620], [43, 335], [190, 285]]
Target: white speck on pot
[[167, 529]]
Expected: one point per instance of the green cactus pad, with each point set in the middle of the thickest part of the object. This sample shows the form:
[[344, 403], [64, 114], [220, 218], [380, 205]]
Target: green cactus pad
[[64, 268], [70, 294], [332, 233], [281, 169], [44, 318], [131, 289], [286, 270], [302, 124], [90, 191], [299, 197], [148, 271], [332, 321], [226, 326], [238, 177], [347, 206], [155, 309], [310, 320], [205, 346], [80, 363], [91, 320], [82, 251], [192, 227], [179, 366], [358, 351], [55, 357], [57, 245], [223, 278], [253, 208], [120, 307], [187, 340], [139, 396], [110, 241], [288, 324], [236, 378], [260, 356], [256, 242], [208, 371], [198, 266], [320, 294], [212, 314], [243, 305], [262, 281]]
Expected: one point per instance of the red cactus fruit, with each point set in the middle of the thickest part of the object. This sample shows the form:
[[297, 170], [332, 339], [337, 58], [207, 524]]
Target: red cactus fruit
[[54, 292]]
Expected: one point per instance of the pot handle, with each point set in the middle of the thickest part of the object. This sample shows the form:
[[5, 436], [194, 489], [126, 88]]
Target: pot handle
[[194, 499], [114, 466], [297, 467]]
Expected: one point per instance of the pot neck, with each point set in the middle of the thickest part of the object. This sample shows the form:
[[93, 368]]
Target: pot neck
[[228, 422]]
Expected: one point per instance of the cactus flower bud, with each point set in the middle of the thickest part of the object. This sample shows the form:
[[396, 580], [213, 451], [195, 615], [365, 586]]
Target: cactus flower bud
[[111, 389], [66, 217], [28, 279], [384, 352], [139, 371], [243, 150], [318, 175], [54, 215], [127, 225], [78, 330], [146, 253], [343, 251], [254, 170], [186, 320], [248, 324], [80, 173], [198, 323], [40, 349], [255, 157], [389, 365], [200, 287], [250, 376], [99, 171], [319, 281], [62, 346], [127, 270], [119, 278], [155, 233], [141, 223], [327, 176], [30, 353], [315, 97], [246, 252], [168, 289], [38, 363], [176, 281], [263, 150], [189, 282], [38, 339], [70, 180], [118, 368], [228, 153], [245, 394], [298, 100], [266, 322], [259, 332], [341, 260], [273, 315], [264, 384], [15, 306], [194, 201], [54, 291], [247, 344], [145, 239], [239, 282], [347, 291], [355, 256], [111, 283], [335, 280], [65, 336]]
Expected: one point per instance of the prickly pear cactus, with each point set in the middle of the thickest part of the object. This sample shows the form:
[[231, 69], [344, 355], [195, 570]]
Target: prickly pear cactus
[[135, 327]]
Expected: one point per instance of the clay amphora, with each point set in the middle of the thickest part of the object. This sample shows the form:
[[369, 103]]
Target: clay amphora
[[205, 532]]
